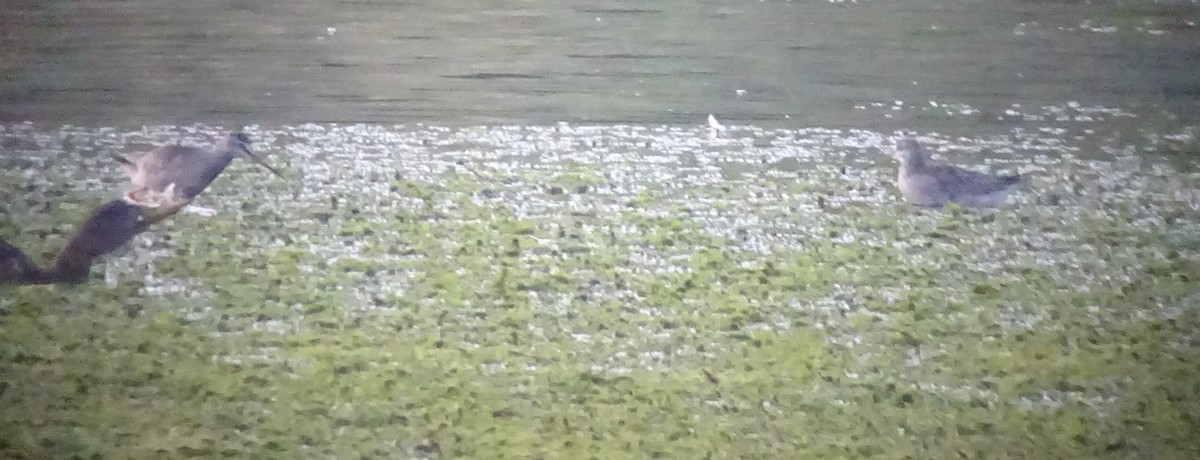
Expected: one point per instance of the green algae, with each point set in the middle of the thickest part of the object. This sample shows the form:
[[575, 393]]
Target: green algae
[[469, 327]]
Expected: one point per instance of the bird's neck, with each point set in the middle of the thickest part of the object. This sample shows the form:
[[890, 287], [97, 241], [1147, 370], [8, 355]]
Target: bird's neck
[[228, 153], [913, 160]]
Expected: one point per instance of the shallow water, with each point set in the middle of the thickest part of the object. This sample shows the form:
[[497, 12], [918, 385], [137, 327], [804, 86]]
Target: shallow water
[[945, 65]]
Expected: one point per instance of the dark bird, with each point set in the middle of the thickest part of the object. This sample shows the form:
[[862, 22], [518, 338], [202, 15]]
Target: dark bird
[[165, 180], [931, 185], [16, 268], [107, 228]]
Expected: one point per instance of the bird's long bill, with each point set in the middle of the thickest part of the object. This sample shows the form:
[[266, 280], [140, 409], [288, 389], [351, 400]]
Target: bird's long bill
[[262, 163]]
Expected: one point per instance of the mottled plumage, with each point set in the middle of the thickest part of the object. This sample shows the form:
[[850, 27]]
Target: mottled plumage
[[190, 169], [925, 184]]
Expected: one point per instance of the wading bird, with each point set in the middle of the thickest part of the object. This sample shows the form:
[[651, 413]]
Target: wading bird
[[930, 185], [188, 169], [165, 180]]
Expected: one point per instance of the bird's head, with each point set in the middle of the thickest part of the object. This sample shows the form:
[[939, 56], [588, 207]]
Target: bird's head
[[239, 143], [909, 151]]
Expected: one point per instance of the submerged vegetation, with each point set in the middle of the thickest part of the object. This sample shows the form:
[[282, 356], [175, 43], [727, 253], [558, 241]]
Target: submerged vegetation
[[608, 292]]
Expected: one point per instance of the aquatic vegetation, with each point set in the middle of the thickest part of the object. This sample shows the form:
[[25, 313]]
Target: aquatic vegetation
[[608, 291]]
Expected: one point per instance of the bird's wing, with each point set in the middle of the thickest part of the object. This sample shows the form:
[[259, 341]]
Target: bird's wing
[[156, 168], [168, 158], [190, 169], [959, 181]]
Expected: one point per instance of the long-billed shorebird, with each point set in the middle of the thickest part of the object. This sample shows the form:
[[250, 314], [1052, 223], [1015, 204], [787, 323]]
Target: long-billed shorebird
[[181, 171], [931, 185], [165, 180]]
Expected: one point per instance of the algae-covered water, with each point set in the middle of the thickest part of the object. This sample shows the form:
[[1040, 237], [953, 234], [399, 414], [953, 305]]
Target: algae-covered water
[[610, 291]]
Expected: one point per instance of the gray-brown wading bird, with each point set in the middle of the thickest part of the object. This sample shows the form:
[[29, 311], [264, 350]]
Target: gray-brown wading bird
[[188, 170], [930, 185]]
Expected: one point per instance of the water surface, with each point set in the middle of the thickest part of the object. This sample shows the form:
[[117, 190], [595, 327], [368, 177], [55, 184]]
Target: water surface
[[773, 63]]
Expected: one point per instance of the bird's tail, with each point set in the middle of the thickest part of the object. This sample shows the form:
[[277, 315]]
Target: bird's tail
[[121, 159], [127, 164]]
